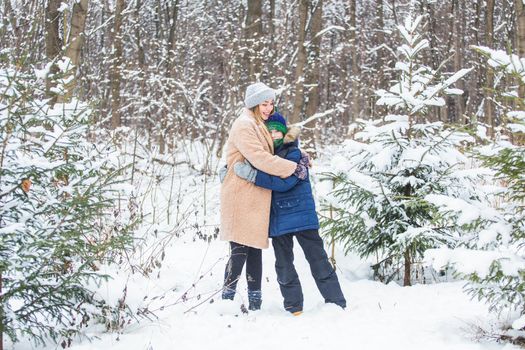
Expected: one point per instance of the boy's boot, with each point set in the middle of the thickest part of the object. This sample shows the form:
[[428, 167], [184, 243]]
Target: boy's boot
[[254, 299], [228, 293]]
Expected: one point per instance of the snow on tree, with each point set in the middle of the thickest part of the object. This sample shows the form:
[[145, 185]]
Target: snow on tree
[[58, 207], [494, 262], [402, 169]]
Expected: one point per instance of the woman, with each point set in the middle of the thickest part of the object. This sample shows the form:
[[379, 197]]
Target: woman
[[245, 208], [293, 215]]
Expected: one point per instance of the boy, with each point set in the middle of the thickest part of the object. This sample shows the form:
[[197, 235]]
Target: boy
[[293, 214]]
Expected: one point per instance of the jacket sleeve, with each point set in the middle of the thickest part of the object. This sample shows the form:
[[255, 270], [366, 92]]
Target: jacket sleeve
[[248, 143], [275, 183]]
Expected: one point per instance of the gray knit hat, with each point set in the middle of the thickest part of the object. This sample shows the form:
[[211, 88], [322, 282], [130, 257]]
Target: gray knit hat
[[257, 93]]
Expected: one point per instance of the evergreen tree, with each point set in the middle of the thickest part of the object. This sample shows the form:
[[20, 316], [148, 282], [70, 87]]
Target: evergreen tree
[[58, 195], [497, 250], [402, 169]]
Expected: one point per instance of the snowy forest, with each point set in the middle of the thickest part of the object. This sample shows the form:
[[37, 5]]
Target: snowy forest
[[114, 122]]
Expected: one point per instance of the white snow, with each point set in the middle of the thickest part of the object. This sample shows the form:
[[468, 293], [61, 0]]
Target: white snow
[[517, 114], [378, 316], [470, 261], [516, 127], [519, 323], [468, 212], [179, 294], [512, 64], [63, 7]]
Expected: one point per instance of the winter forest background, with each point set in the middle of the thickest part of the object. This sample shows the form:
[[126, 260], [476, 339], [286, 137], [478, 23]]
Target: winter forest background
[[113, 119]]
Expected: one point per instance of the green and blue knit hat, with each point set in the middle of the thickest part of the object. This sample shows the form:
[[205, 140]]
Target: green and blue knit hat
[[277, 122]]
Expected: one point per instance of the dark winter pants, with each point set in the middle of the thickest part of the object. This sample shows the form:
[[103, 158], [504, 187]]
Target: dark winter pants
[[322, 271], [239, 254]]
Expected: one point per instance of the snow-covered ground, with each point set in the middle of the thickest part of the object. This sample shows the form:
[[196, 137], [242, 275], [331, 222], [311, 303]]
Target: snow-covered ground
[[183, 295], [379, 316]]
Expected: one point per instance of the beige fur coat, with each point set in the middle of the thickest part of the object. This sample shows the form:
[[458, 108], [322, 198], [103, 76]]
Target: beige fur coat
[[245, 208]]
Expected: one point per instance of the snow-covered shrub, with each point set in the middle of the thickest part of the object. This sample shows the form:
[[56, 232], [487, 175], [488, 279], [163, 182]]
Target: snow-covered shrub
[[400, 170], [494, 262], [59, 199]]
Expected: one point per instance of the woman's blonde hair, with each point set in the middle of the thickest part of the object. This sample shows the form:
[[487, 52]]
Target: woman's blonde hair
[[258, 116]]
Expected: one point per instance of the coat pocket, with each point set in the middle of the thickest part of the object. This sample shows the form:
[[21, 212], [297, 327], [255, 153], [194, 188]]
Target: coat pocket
[[287, 203]]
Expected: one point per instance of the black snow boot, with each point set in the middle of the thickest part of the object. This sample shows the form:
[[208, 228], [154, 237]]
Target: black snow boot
[[254, 299]]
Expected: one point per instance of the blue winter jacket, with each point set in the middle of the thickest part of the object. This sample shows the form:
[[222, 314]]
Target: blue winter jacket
[[293, 206]]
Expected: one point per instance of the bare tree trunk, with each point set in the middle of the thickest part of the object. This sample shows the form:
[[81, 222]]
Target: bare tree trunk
[[432, 26], [408, 265], [432, 57], [489, 34], [472, 108], [75, 41], [53, 42], [271, 23], [76, 36], [141, 57], [355, 62], [380, 40], [173, 22], [159, 28], [9, 17], [313, 77], [116, 119], [159, 128], [171, 66], [520, 16], [253, 38], [394, 12], [458, 15], [407, 192], [298, 101]]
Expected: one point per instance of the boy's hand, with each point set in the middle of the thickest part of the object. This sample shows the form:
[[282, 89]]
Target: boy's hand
[[305, 159], [301, 171]]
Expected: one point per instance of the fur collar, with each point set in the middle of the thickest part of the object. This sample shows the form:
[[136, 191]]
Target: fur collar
[[292, 134], [247, 113]]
